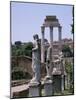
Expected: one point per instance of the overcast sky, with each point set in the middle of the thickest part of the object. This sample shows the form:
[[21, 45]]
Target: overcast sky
[[27, 18]]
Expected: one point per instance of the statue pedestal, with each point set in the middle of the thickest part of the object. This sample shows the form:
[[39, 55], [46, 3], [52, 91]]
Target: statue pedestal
[[48, 87], [34, 89]]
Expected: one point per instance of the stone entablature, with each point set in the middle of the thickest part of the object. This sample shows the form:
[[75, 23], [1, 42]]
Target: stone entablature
[[51, 21]]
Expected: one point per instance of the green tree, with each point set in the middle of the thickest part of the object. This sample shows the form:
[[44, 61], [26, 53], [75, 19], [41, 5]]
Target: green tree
[[68, 67], [27, 49], [20, 48], [67, 51], [70, 74]]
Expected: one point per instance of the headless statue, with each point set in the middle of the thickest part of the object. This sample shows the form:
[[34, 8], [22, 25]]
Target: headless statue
[[49, 61]]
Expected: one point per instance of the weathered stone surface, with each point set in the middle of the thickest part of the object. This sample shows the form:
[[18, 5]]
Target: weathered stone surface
[[20, 91], [51, 21], [48, 87], [56, 83], [36, 62], [51, 18], [49, 61], [34, 89]]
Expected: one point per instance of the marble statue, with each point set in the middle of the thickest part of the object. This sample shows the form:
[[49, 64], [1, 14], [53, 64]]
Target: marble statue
[[62, 64], [49, 61], [60, 56], [36, 64]]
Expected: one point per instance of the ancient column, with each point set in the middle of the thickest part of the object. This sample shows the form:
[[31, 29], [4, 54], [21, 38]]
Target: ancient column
[[60, 29], [51, 36], [49, 62], [42, 45]]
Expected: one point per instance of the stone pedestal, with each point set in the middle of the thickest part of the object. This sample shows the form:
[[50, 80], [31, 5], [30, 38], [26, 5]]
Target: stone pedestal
[[48, 87], [34, 90]]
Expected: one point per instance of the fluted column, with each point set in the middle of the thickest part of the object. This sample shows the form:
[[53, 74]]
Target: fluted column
[[42, 45], [51, 36], [60, 35]]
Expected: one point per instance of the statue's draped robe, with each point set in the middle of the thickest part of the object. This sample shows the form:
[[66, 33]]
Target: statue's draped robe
[[36, 61]]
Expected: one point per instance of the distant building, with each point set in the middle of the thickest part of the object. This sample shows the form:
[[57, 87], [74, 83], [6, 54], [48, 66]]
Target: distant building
[[68, 42]]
